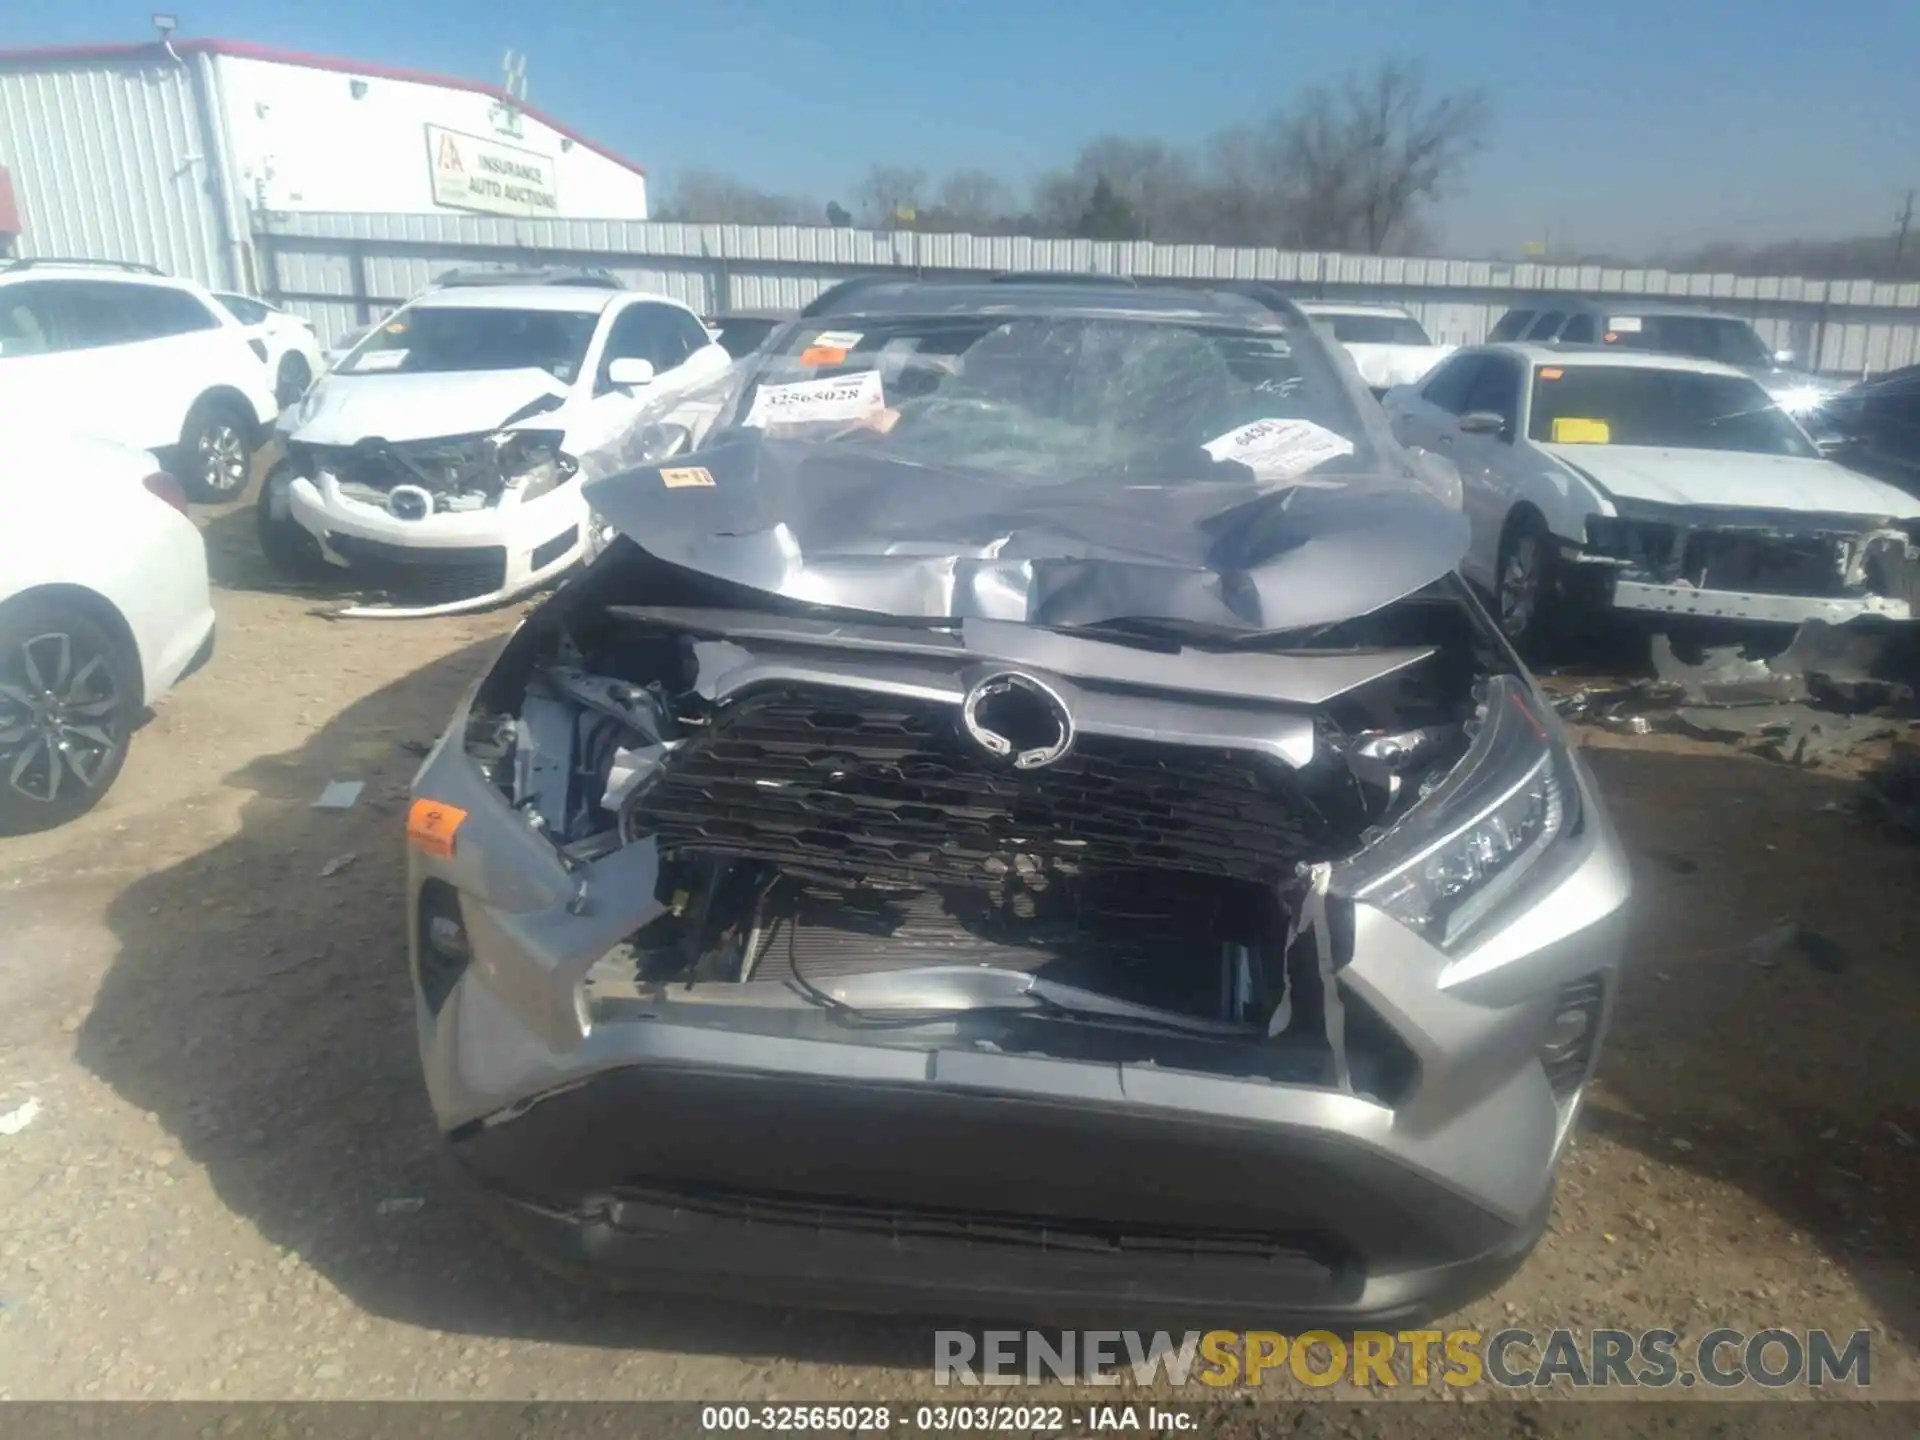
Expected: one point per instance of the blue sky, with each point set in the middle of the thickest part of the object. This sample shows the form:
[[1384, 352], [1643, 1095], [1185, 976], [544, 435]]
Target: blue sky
[[1629, 124]]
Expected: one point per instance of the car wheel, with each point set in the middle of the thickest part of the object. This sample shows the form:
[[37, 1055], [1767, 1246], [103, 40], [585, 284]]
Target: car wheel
[[1526, 585], [69, 696], [216, 452], [295, 375], [286, 543]]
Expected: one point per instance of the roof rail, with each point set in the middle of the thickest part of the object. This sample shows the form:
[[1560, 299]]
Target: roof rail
[[828, 300], [31, 262], [1065, 277]]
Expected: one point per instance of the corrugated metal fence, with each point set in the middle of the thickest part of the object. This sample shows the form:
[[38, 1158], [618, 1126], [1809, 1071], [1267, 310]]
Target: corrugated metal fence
[[343, 270]]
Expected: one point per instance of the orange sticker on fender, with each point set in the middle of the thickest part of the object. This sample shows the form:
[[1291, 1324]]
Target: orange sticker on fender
[[431, 825], [694, 475]]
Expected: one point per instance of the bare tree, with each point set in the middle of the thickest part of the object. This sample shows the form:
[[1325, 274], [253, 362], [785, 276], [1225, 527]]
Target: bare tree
[[707, 197], [972, 201], [890, 196], [1155, 182], [1359, 160]]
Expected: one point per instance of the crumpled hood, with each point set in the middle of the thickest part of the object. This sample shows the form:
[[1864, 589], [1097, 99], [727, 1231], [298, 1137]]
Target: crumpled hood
[[818, 524], [1721, 477], [344, 409], [1384, 366]]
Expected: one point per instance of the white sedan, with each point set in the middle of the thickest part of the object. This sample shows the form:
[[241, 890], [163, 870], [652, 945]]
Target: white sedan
[[104, 606], [1653, 484], [1388, 345], [283, 340]]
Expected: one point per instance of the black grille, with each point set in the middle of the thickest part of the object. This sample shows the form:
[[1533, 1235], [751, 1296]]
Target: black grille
[[430, 575], [555, 548], [906, 1222], [1567, 1064], [848, 783], [1763, 565]]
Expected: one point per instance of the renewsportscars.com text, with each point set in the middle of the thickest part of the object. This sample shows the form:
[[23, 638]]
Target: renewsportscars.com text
[[1515, 1359]]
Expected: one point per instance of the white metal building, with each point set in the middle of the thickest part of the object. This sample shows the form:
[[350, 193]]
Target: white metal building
[[175, 153]]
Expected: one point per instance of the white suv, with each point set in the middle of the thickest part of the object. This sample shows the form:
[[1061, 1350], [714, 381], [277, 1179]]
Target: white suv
[[130, 355]]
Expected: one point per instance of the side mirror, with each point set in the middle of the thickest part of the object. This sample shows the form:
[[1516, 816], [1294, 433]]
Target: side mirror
[[1783, 357], [629, 373], [1482, 422]]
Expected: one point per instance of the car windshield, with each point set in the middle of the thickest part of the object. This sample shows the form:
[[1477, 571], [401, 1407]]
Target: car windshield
[[451, 338], [1704, 337], [1059, 399], [743, 334], [1628, 405], [1375, 329]]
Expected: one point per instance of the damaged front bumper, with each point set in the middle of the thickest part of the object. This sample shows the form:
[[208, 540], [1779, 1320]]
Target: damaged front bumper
[[889, 1141], [1766, 567], [433, 563]]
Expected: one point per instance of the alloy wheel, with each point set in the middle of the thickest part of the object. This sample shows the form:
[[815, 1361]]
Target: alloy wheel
[[57, 717], [222, 453], [1520, 585]]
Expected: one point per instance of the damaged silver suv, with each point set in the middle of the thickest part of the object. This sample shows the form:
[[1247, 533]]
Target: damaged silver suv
[[1022, 818]]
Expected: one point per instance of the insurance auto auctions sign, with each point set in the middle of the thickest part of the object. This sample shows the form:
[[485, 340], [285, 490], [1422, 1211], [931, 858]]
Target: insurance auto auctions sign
[[470, 173]]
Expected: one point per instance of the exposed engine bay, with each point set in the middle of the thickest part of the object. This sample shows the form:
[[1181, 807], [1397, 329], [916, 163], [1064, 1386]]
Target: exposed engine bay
[[1758, 553], [413, 479], [904, 819]]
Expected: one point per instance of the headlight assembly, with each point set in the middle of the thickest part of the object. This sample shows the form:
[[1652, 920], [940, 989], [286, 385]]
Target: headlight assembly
[[531, 462], [1802, 400], [1464, 847]]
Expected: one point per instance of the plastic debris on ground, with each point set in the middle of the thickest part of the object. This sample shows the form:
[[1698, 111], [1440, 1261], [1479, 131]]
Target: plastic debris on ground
[[401, 1205], [340, 795], [1832, 690], [337, 864], [20, 1117]]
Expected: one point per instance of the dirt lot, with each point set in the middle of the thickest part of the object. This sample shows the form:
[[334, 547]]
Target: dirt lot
[[218, 1035]]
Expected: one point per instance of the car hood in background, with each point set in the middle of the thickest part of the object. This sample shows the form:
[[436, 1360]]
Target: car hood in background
[[1384, 366], [1724, 477], [345, 409], [822, 525]]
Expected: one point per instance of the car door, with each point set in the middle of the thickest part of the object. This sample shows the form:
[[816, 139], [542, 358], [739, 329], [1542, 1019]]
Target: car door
[[1490, 463], [1420, 414], [33, 377]]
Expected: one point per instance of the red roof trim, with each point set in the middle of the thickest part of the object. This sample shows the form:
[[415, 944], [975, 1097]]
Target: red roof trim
[[245, 50]]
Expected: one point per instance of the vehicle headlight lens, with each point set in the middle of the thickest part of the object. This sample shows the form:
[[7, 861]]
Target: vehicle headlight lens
[[1463, 847], [531, 462]]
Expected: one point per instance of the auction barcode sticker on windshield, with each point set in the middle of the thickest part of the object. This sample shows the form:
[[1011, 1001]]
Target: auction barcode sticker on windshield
[[805, 402], [1280, 449]]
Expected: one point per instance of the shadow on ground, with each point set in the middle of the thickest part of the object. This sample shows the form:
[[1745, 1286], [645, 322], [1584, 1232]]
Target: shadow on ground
[[272, 1033]]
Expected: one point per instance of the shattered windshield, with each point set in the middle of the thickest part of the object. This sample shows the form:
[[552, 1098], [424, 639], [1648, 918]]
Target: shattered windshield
[[441, 338], [1058, 399], [1626, 405]]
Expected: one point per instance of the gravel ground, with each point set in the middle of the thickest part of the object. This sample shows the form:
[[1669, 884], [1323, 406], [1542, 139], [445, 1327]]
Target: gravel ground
[[218, 1035]]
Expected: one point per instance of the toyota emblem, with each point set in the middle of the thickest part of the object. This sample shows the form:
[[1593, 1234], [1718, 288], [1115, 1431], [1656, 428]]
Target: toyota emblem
[[1014, 715]]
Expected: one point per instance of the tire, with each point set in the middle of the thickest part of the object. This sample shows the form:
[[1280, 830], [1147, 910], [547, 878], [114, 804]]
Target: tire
[[295, 375], [216, 452], [59, 756], [289, 548], [1526, 591]]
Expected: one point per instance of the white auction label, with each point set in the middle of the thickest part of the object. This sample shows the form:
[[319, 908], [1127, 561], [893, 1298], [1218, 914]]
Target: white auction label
[[850, 397], [1280, 449]]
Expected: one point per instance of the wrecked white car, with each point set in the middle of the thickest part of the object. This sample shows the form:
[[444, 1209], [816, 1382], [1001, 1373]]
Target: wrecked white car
[[1653, 485], [435, 466], [1025, 818], [1388, 345]]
